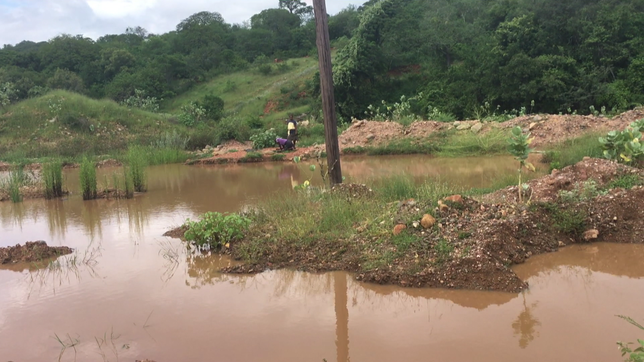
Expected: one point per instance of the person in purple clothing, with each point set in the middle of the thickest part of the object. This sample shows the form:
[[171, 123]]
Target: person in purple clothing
[[284, 144]]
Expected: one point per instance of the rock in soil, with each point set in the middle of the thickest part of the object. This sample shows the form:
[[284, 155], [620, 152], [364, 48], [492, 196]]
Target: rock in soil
[[30, 252]]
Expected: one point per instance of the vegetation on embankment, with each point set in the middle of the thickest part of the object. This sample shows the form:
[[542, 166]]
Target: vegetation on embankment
[[432, 234]]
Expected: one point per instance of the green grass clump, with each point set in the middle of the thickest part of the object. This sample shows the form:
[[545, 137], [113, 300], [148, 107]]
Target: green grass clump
[[17, 178], [572, 151], [400, 187], [52, 175], [137, 161], [277, 157], [470, 144], [251, 157], [626, 182], [88, 179]]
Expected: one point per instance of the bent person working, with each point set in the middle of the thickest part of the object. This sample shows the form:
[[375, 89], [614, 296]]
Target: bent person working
[[284, 144]]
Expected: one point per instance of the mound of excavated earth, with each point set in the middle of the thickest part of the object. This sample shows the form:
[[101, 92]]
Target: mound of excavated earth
[[31, 252]]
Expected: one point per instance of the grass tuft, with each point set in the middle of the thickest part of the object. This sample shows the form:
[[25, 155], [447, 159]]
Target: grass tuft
[[88, 179]]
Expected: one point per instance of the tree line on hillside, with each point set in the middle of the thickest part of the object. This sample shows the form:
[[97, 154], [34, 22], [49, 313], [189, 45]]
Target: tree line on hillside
[[451, 58], [162, 65], [475, 58]]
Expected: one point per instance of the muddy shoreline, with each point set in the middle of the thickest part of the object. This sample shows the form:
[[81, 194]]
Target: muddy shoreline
[[486, 235]]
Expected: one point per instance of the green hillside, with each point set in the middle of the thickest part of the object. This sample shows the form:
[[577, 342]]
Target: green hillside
[[67, 124], [250, 93]]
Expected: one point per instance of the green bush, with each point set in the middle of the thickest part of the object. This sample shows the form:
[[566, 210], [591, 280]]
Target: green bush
[[216, 229], [624, 146], [265, 69], [264, 139], [88, 179], [52, 175]]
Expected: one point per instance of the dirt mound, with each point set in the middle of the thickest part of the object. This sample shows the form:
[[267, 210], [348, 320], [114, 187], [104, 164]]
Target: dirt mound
[[30, 252], [547, 188], [548, 129], [363, 133], [177, 233]]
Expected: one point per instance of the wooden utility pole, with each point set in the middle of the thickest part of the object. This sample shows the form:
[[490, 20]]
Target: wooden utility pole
[[326, 90]]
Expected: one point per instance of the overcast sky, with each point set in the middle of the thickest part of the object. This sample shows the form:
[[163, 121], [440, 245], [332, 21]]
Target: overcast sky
[[39, 20]]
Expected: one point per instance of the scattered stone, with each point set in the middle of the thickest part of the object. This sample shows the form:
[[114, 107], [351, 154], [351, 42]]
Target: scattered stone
[[371, 137], [477, 127], [463, 127], [455, 199], [591, 234], [416, 224], [532, 125], [561, 244], [442, 207], [399, 229], [428, 221]]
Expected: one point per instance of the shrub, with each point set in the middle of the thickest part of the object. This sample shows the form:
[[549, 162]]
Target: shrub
[[265, 69], [216, 229], [264, 139], [52, 175], [140, 100], [624, 146], [88, 179]]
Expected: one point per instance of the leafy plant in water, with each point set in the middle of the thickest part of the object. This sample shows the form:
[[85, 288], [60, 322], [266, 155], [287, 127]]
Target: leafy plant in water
[[637, 354], [17, 178], [216, 230], [264, 139], [519, 147], [88, 179]]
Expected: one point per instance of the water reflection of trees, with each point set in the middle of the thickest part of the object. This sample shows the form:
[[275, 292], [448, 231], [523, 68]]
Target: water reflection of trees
[[525, 326]]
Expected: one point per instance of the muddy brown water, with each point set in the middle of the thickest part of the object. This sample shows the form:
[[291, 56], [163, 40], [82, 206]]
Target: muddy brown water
[[129, 293]]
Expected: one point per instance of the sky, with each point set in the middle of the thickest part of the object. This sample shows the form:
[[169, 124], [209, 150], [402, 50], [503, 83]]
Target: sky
[[41, 20]]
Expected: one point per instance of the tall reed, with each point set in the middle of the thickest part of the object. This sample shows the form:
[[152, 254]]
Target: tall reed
[[137, 161], [88, 179], [16, 179], [52, 175]]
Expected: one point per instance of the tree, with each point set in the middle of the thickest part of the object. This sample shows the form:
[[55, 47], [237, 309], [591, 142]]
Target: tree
[[296, 7], [203, 18], [6, 94], [64, 79]]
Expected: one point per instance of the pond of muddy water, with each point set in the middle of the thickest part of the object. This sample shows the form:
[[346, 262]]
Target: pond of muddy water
[[129, 293]]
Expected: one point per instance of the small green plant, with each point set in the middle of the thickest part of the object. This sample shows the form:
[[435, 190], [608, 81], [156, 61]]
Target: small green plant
[[88, 179], [251, 157], [624, 146], [584, 191], [637, 354], [192, 114], [140, 100], [398, 112], [264, 139], [443, 250], [216, 230], [626, 182], [52, 175], [278, 157], [137, 163], [519, 147]]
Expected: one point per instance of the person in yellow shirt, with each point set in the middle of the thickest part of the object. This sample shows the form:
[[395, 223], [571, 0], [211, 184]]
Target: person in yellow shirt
[[292, 129]]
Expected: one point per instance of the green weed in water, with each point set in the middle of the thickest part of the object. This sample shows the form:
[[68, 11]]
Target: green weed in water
[[88, 179], [137, 163], [52, 175], [16, 179]]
